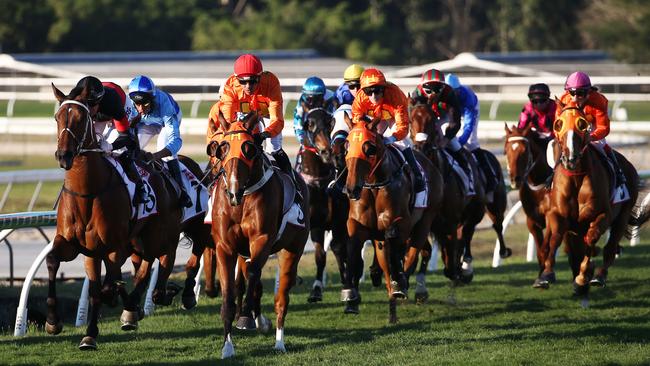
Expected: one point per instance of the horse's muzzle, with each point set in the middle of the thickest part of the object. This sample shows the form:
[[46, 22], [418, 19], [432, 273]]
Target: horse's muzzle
[[354, 194], [65, 158], [235, 198]]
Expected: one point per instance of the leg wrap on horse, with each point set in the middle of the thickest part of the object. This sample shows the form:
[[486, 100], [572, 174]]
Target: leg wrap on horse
[[285, 165], [131, 171], [484, 165], [175, 170], [410, 159]]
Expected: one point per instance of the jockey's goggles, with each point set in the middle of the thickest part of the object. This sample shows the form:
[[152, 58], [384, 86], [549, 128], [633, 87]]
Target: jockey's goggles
[[376, 90], [314, 98], [539, 100], [140, 98], [248, 80], [353, 85], [579, 92], [432, 88]]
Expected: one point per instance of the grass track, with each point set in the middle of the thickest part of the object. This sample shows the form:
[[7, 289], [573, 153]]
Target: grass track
[[497, 320]]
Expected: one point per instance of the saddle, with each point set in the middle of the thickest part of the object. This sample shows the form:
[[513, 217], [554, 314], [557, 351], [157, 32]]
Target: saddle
[[466, 182], [617, 194]]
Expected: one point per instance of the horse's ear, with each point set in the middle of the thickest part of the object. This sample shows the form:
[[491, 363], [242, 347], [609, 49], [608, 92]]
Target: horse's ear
[[251, 120], [411, 100], [223, 122], [508, 130], [527, 129], [348, 120], [559, 102], [58, 94]]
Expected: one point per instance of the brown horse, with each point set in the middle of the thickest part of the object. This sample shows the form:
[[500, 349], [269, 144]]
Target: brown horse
[[454, 226], [94, 218], [581, 208], [525, 154], [247, 220], [325, 211], [379, 186]]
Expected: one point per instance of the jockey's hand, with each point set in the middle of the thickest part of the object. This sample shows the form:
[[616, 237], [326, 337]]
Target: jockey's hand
[[162, 154], [389, 140], [124, 140], [145, 156], [260, 137], [134, 121]]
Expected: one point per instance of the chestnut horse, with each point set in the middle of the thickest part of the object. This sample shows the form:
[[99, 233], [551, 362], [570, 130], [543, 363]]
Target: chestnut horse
[[326, 212], [379, 186], [94, 218], [247, 221], [529, 172], [581, 206], [454, 227]]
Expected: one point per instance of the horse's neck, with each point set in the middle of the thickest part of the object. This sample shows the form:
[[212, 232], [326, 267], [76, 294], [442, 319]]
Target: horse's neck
[[88, 172], [313, 165], [387, 168]]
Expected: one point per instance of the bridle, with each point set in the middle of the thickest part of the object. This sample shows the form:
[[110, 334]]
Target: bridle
[[88, 129], [309, 133]]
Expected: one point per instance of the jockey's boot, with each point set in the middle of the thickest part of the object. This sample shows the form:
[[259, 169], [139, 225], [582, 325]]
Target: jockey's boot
[[620, 177], [418, 183], [140, 195], [459, 156], [484, 165], [285, 165], [175, 171]]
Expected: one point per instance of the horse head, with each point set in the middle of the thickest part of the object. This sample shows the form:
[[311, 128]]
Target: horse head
[[519, 155], [365, 152], [318, 126], [239, 155], [572, 130], [424, 132], [74, 126]]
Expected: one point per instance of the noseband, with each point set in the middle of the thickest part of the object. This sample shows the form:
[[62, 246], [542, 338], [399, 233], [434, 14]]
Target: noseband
[[87, 128]]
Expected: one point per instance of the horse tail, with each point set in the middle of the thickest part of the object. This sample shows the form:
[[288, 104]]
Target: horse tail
[[640, 216]]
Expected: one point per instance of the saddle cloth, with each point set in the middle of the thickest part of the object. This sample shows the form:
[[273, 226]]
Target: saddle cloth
[[198, 193], [144, 209], [619, 193], [468, 180], [420, 200]]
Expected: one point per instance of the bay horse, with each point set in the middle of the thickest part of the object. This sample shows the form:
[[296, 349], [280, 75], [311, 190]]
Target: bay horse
[[326, 212], [379, 186], [247, 221], [454, 226], [529, 173], [94, 218], [581, 206]]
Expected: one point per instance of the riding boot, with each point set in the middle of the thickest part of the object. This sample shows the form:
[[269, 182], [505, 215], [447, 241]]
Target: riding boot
[[484, 165], [459, 156], [175, 171], [417, 174], [620, 177], [140, 195], [285, 165]]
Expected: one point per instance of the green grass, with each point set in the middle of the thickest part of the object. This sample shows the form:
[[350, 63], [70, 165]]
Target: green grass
[[497, 320]]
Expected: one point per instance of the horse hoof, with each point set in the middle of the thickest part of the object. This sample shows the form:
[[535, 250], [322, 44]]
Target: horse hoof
[[421, 297], [188, 302], [88, 344], [349, 294], [597, 281], [392, 319], [315, 295], [228, 350], [212, 293], [398, 291], [53, 329], [505, 253], [466, 278], [246, 323], [351, 307], [580, 290], [540, 283], [279, 346], [263, 324], [129, 320], [375, 277]]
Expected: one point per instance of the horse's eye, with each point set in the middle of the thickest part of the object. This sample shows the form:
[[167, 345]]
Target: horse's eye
[[312, 127], [222, 150], [369, 149], [582, 125], [558, 125], [249, 150]]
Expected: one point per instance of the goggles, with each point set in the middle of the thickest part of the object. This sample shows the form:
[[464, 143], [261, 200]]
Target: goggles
[[376, 90], [579, 92]]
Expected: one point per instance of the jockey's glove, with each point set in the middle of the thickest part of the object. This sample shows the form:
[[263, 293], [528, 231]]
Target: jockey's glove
[[161, 154], [260, 137], [389, 140]]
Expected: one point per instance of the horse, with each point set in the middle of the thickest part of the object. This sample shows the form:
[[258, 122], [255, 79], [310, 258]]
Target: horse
[[529, 173], [325, 211], [379, 186], [581, 207], [455, 224], [94, 218], [247, 220]]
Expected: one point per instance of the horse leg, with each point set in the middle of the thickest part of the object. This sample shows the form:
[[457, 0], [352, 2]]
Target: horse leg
[[555, 230], [240, 284], [616, 233], [350, 292], [62, 251], [93, 271], [596, 228], [188, 298], [421, 292], [209, 271], [259, 256], [375, 271], [338, 248], [542, 281], [132, 312], [382, 253], [288, 272], [226, 268], [320, 256], [466, 235], [164, 293], [495, 213]]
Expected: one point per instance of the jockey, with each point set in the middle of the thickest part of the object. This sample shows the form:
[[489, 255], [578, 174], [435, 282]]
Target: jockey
[[347, 91], [578, 90], [314, 95], [155, 112], [252, 89], [384, 100], [447, 106], [539, 111], [469, 137]]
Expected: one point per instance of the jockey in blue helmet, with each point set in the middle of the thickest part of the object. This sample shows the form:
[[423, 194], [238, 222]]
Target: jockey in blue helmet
[[314, 95]]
